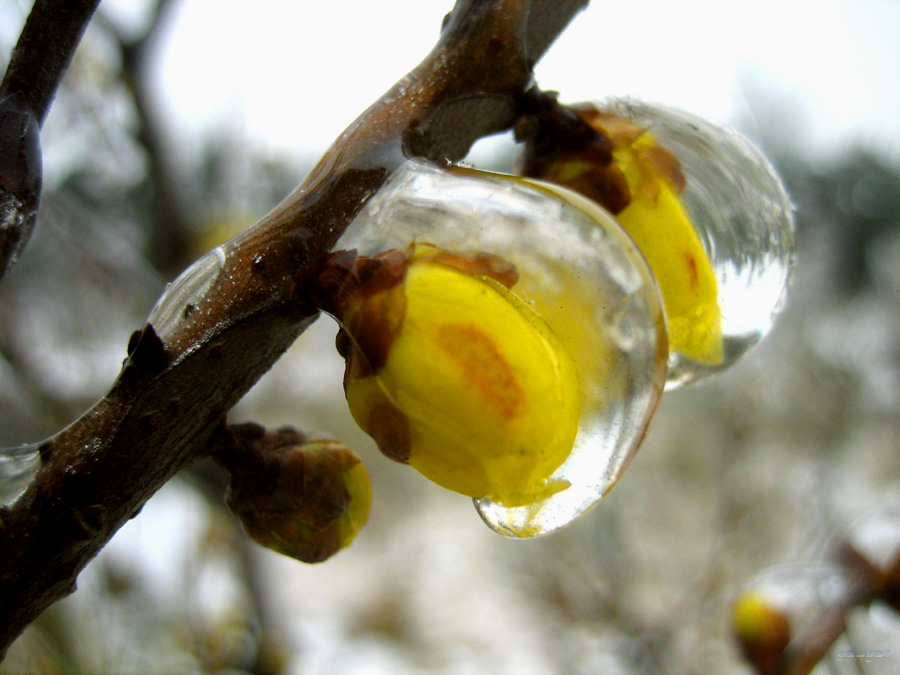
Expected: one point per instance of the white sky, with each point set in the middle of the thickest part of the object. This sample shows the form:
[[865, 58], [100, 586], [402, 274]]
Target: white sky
[[292, 75]]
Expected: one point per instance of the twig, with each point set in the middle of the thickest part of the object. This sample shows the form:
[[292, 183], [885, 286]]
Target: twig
[[36, 67], [864, 584], [44, 50]]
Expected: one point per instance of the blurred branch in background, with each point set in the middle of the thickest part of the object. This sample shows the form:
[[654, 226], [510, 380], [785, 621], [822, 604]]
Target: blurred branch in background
[[168, 245], [33, 74], [45, 48], [98, 218]]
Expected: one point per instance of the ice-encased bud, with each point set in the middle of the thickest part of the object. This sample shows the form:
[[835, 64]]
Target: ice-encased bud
[[783, 602], [761, 628], [529, 339], [708, 212]]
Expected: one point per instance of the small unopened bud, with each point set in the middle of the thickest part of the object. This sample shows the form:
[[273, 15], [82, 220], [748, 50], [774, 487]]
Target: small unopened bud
[[309, 500], [762, 630]]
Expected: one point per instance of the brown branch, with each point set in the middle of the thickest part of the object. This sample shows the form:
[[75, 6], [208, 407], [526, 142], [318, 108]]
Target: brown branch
[[864, 583], [20, 178], [174, 391], [44, 50], [36, 67]]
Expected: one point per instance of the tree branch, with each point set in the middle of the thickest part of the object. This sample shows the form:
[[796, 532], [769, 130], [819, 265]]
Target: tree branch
[[36, 67], [44, 51], [20, 178], [176, 387], [864, 585]]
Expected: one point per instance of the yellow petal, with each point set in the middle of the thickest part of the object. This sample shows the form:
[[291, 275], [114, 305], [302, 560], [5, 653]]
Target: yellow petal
[[660, 226], [356, 481], [489, 399]]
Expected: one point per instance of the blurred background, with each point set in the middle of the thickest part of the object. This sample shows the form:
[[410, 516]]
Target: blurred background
[[182, 121]]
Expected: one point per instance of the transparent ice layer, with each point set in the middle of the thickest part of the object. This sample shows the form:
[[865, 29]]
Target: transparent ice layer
[[580, 273], [18, 467], [743, 216], [184, 295]]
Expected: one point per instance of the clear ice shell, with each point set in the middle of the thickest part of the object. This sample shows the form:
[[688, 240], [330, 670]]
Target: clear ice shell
[[18, 466], [875, 535], [584, 277], [182, 296], [801, 592], [744, 217]]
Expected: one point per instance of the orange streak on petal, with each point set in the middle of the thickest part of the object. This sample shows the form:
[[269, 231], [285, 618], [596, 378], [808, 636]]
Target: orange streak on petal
[[483, 366]]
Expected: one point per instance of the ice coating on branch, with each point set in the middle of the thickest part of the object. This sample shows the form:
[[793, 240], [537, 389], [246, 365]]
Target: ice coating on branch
[[184, 295], [18, 467], [15, 226]]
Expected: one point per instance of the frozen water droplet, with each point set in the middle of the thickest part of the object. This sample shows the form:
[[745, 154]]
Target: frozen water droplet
[[574, 263], [743, 217], [16, 224], [18, 467], [182, 297]]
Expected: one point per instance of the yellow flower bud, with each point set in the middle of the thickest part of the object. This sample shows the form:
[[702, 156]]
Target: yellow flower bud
[[703, 205], [642, 185], [475, 392], [517, 357], [757, 622], [657, 221], [762, 630]]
